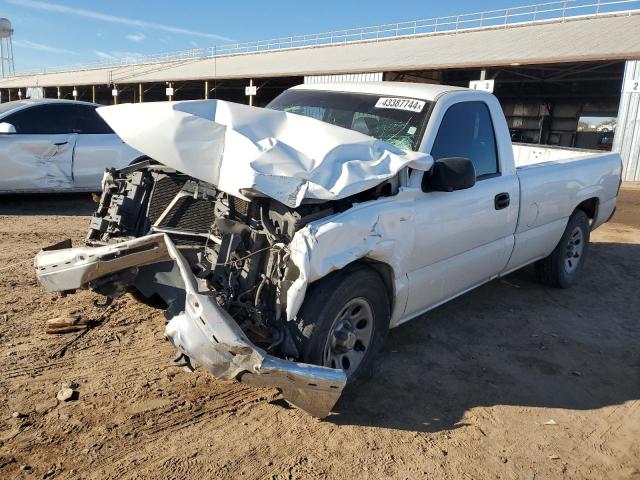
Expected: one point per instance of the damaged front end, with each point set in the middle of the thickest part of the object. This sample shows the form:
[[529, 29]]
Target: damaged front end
[[219, 265]]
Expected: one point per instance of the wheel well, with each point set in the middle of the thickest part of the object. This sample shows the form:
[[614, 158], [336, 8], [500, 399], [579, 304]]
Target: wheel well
[[590, 207], [386, 273]]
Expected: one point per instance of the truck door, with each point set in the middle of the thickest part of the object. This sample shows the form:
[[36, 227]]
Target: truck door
[[465, 237], [39, 155]]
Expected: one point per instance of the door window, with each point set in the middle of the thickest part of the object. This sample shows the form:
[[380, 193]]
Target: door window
[[467, 131], [87, 121], [48, 119]]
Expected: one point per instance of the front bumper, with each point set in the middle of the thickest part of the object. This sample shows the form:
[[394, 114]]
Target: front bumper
[[204, 332]]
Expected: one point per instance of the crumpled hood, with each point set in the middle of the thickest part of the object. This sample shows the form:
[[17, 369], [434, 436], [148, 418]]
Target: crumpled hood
[[236, 147]]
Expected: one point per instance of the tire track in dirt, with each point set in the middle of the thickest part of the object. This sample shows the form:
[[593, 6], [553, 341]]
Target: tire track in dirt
[[603, 439], [172, 422], [180, 461], [293, 438], [149, 355]]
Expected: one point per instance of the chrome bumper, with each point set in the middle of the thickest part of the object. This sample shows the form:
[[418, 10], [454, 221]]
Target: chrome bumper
[[204, 332]]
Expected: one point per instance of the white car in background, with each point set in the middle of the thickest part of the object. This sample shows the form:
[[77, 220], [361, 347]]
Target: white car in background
[[57, 146], [607, 127]]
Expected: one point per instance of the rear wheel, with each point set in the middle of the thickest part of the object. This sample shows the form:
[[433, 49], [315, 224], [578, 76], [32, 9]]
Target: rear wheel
[[344, 321], [563, 267]]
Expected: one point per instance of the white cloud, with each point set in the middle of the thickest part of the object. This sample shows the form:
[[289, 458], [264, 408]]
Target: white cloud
[[120, 54], [80, 12], [115, 54], [103, 55], [42, 47], [136, 37]]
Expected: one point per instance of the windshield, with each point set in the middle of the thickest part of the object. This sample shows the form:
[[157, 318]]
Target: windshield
[[396, 120]]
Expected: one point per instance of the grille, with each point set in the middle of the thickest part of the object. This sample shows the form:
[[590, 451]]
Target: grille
[[164, 190], [238, 205], [190, 214]]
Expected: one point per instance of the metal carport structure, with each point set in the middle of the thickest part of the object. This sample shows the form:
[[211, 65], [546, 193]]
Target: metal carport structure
[[559, 33]]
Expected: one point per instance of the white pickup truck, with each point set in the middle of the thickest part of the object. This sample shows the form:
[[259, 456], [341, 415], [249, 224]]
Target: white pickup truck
[[284, 242]]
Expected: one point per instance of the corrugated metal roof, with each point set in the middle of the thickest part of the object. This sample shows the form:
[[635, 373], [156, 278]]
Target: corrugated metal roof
[[345, 77], [576, 39]]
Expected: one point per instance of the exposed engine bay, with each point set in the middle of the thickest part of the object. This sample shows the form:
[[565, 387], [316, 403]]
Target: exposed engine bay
[[238, 248], [220, 266]]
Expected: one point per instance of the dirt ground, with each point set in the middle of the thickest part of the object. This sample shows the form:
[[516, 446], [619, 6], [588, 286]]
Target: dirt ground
[[464, 392]]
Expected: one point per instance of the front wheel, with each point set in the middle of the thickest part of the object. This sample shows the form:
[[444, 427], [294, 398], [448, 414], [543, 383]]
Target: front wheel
[[563, 267], [344, 320]]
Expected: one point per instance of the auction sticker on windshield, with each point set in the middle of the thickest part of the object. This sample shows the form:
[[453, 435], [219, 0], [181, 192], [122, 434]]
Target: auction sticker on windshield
[[409, 104]]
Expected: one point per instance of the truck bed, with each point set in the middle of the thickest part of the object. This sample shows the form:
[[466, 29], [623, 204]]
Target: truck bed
[[553, 181], [528, 154]]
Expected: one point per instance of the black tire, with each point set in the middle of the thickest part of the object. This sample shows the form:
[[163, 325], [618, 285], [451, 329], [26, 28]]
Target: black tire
[[554, 270], [326, 299]]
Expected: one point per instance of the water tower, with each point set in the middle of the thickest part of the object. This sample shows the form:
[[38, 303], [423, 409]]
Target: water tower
[[6, 48]]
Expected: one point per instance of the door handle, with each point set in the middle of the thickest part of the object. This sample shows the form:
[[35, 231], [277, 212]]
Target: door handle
[[59, 144], [502, 200]]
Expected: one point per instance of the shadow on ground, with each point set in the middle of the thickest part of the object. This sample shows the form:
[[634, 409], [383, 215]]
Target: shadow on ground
[[71, 204], [511, 342]]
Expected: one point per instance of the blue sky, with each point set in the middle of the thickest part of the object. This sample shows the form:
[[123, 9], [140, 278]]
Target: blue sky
[[63, 32]]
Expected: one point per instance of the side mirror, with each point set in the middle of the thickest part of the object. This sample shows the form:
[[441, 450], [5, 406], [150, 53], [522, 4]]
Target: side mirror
[[7, 128], [449, 174]]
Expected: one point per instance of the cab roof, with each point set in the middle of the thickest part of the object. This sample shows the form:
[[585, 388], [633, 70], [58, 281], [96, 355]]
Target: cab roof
[[422, 91]]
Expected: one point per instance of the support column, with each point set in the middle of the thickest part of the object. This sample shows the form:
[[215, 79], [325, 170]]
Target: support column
[[206, 89], [626, 139], [93, 93], [8, 94], [251, 96], [140, 93], [169, 91], [59, 94]]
